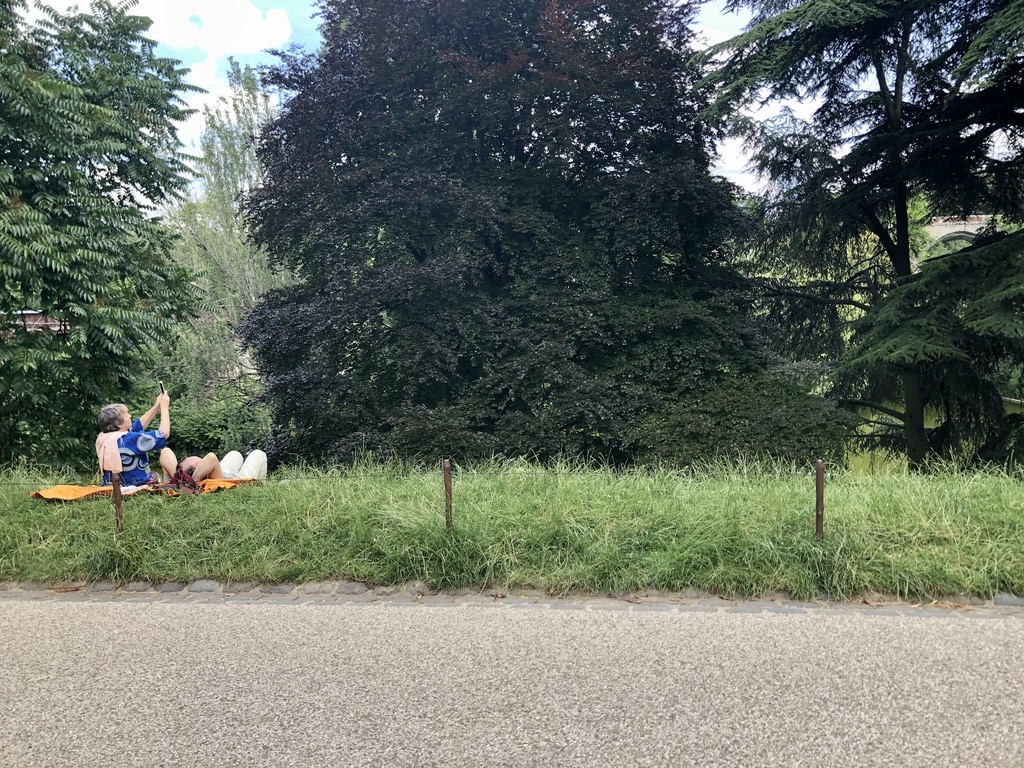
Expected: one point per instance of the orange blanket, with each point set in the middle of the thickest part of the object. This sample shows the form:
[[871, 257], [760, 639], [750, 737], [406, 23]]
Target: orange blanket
[[76, 492]]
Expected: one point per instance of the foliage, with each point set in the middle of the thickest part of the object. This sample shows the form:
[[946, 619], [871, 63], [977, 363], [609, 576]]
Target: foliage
[[219, 426], [213, 384], [88, 149], [214, 244], [506, 235], [764, 415], [911, 105]]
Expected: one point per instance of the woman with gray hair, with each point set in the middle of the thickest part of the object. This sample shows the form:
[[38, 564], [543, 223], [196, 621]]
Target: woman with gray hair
[[127, 443]]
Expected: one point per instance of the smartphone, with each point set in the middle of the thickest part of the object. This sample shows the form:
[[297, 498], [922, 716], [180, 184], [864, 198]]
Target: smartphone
[[162, 390]]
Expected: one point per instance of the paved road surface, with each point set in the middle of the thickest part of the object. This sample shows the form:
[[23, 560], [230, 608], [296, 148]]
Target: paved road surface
[[150, 681]]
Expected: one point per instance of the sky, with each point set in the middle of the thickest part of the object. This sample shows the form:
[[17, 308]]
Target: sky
[[202, 34]]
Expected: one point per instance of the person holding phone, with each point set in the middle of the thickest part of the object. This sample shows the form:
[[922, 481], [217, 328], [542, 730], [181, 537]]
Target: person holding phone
[[132, 442]]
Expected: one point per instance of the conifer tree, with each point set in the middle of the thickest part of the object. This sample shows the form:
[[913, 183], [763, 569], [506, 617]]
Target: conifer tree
[[913, 101]]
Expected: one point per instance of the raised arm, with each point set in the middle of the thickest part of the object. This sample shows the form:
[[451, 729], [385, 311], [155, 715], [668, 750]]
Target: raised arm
[[163, 401], [161, 404], [147, 417]]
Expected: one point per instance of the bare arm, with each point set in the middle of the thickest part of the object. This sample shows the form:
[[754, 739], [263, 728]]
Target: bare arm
[[147, 417], [163, 402]]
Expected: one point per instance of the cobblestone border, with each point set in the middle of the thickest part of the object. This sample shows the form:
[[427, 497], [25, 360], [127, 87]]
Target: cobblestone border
[[418, 593]]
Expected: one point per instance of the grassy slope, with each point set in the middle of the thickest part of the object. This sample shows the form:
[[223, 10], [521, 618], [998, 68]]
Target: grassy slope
[[739, 533]]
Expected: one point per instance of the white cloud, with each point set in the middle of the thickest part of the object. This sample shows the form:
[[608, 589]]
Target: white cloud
[[218, 28], [733, 163], [716, 26], [733, 160], [208, 31]]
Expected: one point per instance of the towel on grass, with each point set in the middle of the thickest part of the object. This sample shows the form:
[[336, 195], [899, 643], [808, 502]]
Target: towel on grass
[[76, 492]]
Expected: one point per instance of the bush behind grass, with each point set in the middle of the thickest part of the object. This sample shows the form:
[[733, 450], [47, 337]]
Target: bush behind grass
[[741, 530]]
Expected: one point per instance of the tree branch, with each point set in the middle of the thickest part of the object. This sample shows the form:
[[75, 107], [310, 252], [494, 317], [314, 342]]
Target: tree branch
[[417, 253], [883, 86], [876, 422], [800, 292], [876, 407], [821, 299], [881, 233], [902, 65]]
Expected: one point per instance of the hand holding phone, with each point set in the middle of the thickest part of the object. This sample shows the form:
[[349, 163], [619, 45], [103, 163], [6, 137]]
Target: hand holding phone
[[163, 399]]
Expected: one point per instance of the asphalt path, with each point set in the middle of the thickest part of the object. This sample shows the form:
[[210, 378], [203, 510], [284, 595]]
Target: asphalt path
[[158, 682]]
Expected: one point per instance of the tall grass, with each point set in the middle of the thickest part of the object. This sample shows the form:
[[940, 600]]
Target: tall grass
[[743, 529]]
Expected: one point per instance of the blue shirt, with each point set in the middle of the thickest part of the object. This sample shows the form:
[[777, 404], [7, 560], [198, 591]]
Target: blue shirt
[[133, 447]]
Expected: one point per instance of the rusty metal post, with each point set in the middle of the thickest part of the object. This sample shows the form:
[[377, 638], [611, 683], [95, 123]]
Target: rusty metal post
[[447, 495], [819, 500], [115, 480]]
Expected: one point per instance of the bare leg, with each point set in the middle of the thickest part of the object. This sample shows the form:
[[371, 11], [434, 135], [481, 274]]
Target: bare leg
[[208, 468], [168, 463]]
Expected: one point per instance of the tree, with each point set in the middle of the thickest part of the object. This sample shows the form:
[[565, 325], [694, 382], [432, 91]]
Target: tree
[[214, 243], [88, 149], [214, 385], [914, 101], [505, 232]]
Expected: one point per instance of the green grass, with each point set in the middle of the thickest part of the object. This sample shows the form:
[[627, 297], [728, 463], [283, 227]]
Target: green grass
[[744, 530]]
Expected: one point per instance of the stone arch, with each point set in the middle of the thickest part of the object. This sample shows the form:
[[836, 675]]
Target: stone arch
[[945, 229], [962, 236]]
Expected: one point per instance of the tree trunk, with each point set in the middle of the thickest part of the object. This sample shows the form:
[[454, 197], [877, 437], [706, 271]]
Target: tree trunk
[[899, 247], [913, 405], [901, 258], [913, 426]]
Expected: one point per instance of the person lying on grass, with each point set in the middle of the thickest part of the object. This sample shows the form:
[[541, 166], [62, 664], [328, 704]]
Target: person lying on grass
[[209, 467], [120, 436], [128, 443]]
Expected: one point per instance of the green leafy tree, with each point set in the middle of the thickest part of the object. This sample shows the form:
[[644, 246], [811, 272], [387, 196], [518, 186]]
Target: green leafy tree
[[88, 149], [214, 384], [505, 232], [914, 101], [215, 244]]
